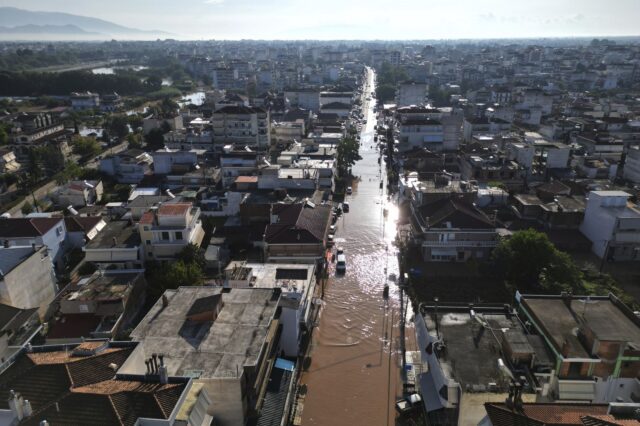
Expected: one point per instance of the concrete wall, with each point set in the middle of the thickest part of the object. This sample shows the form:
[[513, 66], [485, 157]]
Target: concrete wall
[[31, 284]]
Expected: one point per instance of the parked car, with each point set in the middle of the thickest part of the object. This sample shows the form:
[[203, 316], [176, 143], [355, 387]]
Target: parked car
[[345, 207], [349, 190], [341, 264]]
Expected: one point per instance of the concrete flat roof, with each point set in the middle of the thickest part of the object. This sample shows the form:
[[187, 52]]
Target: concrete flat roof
[[472, 351], [216, 349], [602, 315]]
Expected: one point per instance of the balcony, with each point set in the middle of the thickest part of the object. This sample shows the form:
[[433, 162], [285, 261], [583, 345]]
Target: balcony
[[459, 243]]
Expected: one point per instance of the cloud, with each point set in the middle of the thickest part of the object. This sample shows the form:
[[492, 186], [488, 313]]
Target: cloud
[[213, 1]]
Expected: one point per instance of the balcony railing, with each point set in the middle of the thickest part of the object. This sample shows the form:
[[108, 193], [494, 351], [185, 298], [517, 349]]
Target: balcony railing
[[459, 243]]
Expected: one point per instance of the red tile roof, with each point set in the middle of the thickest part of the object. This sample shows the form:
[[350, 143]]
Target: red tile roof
[[174, 209], [535, 414], [27, 227], [44, 377], [81, 224], [247, 179], [147, 218]]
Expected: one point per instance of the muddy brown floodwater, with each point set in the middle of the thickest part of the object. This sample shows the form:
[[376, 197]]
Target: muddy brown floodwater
[[354, 376]]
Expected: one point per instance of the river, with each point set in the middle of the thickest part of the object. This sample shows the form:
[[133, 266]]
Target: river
[[354, 377]]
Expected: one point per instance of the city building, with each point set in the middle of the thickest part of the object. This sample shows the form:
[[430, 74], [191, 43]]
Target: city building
[[84, 100], [242, 125], [611, 223], [593, 342], [39, 231], [27, 279], [411, 93], [165, 231], [226, 339]]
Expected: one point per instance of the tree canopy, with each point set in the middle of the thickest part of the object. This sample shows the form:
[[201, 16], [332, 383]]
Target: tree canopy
[[86, 147], [528, 261], [154, 139], [347, 154]]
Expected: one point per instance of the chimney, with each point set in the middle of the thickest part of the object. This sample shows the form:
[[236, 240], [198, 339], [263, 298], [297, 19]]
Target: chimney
[[146, 362], [154, 359], [33, 246], [115, 241], [16, 405], [164, 376], [165, 301], [6, 243]]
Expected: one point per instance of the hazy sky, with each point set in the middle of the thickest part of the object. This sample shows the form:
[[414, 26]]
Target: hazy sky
[[359, 19]]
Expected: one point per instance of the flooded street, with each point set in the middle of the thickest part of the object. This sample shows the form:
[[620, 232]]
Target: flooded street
[[354, 377]]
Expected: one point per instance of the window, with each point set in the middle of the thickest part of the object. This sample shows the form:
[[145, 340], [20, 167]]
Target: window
[[148, 242], [178, 235], [165, 236]]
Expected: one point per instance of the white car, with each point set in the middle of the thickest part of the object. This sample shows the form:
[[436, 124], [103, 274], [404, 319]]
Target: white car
[[349, 190], [341, 263]]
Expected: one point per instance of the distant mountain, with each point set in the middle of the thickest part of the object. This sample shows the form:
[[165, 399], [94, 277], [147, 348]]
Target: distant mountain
[[16, 21], [45, 29]]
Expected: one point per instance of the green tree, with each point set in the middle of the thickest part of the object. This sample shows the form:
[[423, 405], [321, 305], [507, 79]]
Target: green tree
[[26, 208], [347, 154], [173, 275], [4, 137], [154, 139], [134, 140], [118, 126], [34, 171], [528, 261], [86, 147], [192, 254], [386, 92], [153, 83]]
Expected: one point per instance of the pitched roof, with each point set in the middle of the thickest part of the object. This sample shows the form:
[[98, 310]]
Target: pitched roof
[[536, 414], [113, 402], [336, 105], [44, 377], [11, 257], [27, 227], [81, 224], [458, 213], [298, 224], [239, 109], [12, 318]]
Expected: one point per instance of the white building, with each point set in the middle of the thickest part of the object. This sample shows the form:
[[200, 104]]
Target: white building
[[412, 93], [631, 169], [26, 277], [166, 161], [297, 283], [224, 78], [84, 100], [243, 125], [165, 231], [612, 224]]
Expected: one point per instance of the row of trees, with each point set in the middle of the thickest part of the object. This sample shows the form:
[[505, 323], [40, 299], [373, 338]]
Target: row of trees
[[49, 83]]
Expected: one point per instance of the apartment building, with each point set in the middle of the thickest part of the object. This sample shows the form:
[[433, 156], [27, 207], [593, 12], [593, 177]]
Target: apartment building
[[165, 231], [242, 125]]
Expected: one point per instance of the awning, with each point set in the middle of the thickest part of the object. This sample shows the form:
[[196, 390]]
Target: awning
[[284, 364]]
